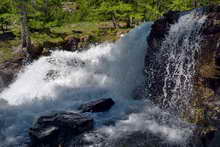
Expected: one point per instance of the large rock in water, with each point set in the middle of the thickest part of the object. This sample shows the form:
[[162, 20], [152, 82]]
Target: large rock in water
[[206, 81], [55, 130], [97, 106]]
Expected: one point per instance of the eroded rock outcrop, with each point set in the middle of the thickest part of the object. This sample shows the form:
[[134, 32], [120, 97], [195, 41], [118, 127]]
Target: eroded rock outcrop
[[9, 70], [205, 103], [56, 130]]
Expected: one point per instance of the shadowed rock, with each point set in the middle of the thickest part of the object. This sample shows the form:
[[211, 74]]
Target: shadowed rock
[[97, 106], [71, 43], [57, 129], [7, 36], [9, 70]]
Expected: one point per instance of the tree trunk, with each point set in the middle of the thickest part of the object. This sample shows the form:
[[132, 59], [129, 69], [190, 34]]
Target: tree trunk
[[114, 21], [25, 35], [129, 22], [6, 26], [2, 28], [195, 4]]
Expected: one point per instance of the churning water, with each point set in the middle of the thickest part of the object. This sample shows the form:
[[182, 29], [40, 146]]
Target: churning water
[[64, 80]]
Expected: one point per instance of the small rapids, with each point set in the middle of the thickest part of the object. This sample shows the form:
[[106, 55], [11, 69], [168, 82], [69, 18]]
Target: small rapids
[[64, 80]]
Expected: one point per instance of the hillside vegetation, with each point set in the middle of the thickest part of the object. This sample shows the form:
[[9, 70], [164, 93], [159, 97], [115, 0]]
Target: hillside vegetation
[[27, 22]]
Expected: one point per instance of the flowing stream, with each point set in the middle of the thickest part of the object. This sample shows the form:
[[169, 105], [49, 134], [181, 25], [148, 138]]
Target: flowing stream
[[64, 80]]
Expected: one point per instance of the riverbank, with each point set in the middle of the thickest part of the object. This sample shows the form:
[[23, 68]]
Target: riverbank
[[84, 34]]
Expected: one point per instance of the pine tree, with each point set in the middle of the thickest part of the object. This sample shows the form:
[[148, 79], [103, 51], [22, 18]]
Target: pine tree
[[115, 11], [22, 6], [5, 15]]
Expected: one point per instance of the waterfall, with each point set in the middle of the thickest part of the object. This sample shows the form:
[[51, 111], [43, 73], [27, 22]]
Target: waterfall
[[64, 80], [173, 65], [180, 47]]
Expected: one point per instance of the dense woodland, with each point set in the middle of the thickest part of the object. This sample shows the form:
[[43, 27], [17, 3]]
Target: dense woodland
[[28, 16]]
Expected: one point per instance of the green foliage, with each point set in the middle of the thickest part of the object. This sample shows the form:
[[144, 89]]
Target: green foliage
[[52, 13], [48, 14], [4, 21], [53, 19], [5, 14]]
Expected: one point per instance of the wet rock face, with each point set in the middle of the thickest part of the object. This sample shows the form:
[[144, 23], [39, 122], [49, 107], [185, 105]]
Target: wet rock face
[[5, 79], [206, 79], [161, 27], [9, 70], [55, 130], [97, 106], [210, 47], [208, 67], [209, 58]]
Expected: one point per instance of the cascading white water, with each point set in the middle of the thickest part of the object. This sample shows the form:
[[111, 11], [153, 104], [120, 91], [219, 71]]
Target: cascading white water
[[178, 56], [65, 80], [180, 47], [107, 69]]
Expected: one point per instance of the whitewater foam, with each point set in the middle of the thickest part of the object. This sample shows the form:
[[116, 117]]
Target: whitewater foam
[[64, 80]]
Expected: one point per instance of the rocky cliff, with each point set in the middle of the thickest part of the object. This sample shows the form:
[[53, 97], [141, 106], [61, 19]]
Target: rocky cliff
[[203, 107]]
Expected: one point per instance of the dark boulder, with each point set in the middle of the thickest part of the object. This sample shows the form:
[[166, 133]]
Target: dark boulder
[[35, 51], [97, 106], [71, 43], [207, 138], [55, 130]]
